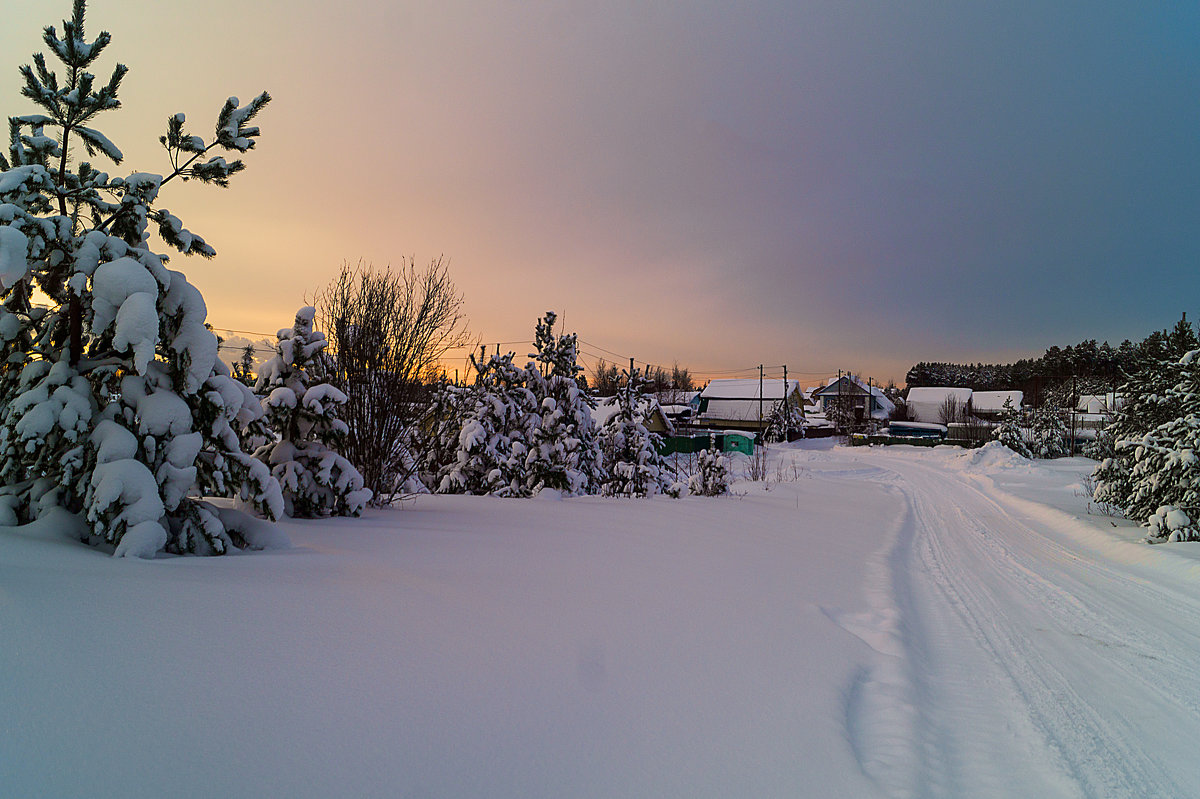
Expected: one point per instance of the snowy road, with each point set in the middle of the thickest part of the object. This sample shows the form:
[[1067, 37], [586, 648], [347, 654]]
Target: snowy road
[[875, 623], [1023, 661]]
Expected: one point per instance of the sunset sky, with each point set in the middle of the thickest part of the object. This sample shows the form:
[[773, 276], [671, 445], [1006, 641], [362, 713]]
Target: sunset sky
[[830, 185]]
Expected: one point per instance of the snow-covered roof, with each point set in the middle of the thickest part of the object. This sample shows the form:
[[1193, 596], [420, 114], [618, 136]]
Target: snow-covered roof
[[939, 394], [920, 426], [742, 410], [893, 427], [831, 386], [993, 401], [925, 403], [886, 406], [742, 389]]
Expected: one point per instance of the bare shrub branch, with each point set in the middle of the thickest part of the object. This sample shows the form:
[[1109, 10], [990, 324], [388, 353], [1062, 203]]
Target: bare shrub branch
[[388, 329]]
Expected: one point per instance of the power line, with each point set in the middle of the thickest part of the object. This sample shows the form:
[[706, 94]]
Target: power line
[[598, 352]]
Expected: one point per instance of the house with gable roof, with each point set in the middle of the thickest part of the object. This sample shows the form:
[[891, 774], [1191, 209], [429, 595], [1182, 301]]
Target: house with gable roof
[[866, 400]]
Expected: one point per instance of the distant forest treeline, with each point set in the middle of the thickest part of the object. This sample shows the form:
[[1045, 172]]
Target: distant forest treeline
[[1101, 365]]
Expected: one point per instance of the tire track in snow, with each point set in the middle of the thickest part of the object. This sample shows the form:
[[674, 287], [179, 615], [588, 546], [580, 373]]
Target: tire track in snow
[[977, 588], [881, 707]]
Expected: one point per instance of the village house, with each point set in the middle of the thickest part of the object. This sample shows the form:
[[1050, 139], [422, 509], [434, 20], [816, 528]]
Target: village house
[[989, 405], [931, 403], [748, 404], [864, 399], [946, 404]]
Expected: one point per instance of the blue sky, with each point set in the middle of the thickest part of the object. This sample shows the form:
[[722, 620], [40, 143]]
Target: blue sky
[[823, 184]]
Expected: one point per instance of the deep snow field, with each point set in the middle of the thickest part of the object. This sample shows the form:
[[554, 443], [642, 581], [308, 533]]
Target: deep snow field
[[879, 622]]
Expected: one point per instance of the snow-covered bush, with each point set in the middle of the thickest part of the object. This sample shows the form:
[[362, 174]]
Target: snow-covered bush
[[1009, 431], [1170, 523], [635, 468], [564, 452], [1100, 447], [499, 415], [437, 438], [302, 410], [114, 404], [712, 475]]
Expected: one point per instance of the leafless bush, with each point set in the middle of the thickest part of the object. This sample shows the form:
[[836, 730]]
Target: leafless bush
[[949, 411], [756, 463], [388, 329], [1088, 492], [790, 474]]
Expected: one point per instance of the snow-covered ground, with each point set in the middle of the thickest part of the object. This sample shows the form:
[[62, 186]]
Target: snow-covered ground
[[881, 622]]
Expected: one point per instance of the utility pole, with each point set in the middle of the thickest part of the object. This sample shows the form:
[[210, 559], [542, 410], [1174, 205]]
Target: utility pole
[[760, 400], [1074, 408], [870, 405], [787, 410], [841, 409]]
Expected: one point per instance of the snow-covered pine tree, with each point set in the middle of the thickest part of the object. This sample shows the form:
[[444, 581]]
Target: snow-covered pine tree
[[782, 422], [564, 451], [1164, 474], [1049, 432], [500, 413], [1146, 404], [115, 405], [1009, 431], [635, 468], [302, 410], [712, 475]]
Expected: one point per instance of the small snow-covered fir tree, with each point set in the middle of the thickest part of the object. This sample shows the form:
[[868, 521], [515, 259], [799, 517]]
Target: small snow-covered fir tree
[[1100, 447], [114, 403], [712, 475], [499, 415], [1049, 432], [635, 467], [1009, 431], [302, 410], [782, 422], [564, 452]]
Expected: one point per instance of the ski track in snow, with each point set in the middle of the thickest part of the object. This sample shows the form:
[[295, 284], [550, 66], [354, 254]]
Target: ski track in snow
[[1010, 660]]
